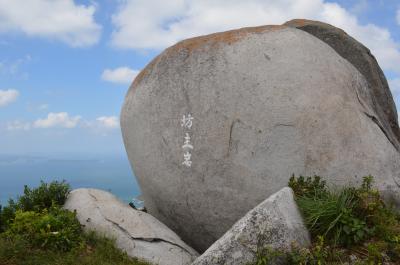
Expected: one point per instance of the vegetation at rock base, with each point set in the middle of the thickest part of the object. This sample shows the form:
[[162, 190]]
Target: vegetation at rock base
[[35, 230], [348, 226], [44, 197]]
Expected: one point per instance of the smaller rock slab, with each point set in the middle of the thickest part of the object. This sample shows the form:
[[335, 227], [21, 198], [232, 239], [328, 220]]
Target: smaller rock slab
[[275, 223], [137, 233]]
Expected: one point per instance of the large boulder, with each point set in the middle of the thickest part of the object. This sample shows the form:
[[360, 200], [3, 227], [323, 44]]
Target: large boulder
[[137, 233], [266, 103], [274, 224]]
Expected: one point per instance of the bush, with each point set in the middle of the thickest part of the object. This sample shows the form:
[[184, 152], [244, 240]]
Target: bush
[[316, 255], [56, 229], [7, 215], [345, 217], [36, 230], [43, 197], [308, 187], [97, 250], [334, 216], [354, 221], [348, 226], [37, 218]]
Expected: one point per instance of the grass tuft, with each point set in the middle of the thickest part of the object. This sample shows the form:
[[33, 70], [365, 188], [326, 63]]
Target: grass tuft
[[351, 225]]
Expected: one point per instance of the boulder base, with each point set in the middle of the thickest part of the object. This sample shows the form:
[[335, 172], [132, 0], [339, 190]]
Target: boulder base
[[275, 223], [137, 233]]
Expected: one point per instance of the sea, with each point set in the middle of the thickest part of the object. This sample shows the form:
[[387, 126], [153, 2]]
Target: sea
[[107, 172]]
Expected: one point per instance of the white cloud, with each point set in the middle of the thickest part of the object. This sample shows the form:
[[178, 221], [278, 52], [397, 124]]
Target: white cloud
[[63, 20], [8, 96], [101, 124], [109, 122], [18, 125], [174, 20], [121, 75], [61, 120]]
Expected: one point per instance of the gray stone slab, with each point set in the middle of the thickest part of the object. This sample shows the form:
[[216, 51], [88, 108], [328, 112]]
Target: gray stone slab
[[137, 233], [276, 224]]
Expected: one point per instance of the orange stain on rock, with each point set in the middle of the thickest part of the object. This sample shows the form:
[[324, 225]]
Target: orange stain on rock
[[196, 43], [145, 71], [227, 37], [299, 22]]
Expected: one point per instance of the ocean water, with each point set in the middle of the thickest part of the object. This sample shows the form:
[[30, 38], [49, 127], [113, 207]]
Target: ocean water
[[111, 173]]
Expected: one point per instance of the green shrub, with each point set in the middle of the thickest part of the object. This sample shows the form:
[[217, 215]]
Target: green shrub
[[308, 186], [97, 250], [318, 254], [268, 256], [355, 220], [346, 216], [56, 229], [7, 215], [36, 230], [44, 196], [348, 226], [334, 217]]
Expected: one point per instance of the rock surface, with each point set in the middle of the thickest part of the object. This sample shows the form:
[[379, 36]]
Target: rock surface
[[276, 223], [137, 233], [267, 102], [379, 95]]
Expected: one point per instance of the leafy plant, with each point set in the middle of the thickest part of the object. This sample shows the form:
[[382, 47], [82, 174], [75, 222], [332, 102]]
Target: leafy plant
[[354, 231], [332, 216], [44, 196], [36, 230], [268, 256], [375, 253], [347, 216], [318, 254], [97, 250], [56, 229], [7, 215], [308, 186], [351, 225]]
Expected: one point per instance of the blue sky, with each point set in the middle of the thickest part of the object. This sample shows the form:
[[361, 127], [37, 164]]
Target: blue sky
[[66, 65]]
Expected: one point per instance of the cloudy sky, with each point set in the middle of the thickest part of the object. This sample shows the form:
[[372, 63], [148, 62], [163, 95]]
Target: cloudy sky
[[65, 65]]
